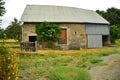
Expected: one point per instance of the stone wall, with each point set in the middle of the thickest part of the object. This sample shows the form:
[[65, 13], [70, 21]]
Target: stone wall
[[76, 35], [27, 29]]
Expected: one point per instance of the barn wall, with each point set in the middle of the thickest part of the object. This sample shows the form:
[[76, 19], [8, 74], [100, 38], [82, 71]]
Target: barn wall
[[98, 35], [76, 35], [28, 29], [97, 29]]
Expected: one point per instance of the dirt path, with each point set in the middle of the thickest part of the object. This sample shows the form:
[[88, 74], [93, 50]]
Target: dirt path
[[110, 71]]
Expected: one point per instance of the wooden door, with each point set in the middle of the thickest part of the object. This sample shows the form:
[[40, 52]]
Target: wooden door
[[63, 36]]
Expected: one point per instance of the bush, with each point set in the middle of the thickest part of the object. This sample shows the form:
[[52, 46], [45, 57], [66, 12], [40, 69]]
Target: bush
[[69, 73], [47, 31], [117, 42], [8, 64]]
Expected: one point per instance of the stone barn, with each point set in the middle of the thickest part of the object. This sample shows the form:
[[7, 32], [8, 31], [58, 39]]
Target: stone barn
[[80, 28]]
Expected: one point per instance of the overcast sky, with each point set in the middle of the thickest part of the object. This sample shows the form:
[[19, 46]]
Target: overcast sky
[[15, 8]]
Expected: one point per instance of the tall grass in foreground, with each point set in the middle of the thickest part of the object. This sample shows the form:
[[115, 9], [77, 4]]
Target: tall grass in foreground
[[69, 73], [61, 65], [8, 64]]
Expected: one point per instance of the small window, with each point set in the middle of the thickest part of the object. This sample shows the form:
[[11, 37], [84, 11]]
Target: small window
[[32, 38], [75, 33]]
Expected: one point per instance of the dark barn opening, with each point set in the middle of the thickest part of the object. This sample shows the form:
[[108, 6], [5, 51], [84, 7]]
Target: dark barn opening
[[32, 38], [105, 40]]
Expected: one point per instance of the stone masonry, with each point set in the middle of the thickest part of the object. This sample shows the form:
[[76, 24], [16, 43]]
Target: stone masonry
[[75, 34]]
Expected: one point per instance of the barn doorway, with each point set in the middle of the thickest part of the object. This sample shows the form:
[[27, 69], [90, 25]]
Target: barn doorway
[[105, 40], [32, 38], [63, 36]]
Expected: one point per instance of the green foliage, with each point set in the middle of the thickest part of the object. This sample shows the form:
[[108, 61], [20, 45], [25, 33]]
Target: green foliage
[[117, 42], [2, 8], [115, 32], [95, 60], [1, 33], [62, 60], [113, 16], [47, 31], [69, 73], [14, 30]]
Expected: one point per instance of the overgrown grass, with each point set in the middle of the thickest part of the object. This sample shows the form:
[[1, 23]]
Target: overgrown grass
[[61, 65], [68, 73]]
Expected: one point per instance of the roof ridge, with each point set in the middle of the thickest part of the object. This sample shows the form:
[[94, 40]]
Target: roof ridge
[[59, 6]]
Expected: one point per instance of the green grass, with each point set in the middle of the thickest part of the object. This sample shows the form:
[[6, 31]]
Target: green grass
[[69, 73], [53, 66]]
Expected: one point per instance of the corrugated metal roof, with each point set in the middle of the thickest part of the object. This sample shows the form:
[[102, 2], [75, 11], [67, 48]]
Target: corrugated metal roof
[[40, 13]]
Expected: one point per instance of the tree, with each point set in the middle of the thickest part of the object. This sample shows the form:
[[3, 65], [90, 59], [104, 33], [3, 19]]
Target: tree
[[14, 30], [2, 8], [115, 32], [1, 33], [113, 16]]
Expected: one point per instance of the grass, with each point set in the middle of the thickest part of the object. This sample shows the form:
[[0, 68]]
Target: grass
[[8, 40], [68, 73], [10, 43], [61, 64]]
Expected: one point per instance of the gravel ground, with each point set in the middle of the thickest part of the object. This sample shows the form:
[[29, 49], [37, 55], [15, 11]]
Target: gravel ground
[[110, 71]]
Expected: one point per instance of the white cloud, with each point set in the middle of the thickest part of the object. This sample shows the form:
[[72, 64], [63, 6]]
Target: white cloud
[[6, 21], [15, 8]]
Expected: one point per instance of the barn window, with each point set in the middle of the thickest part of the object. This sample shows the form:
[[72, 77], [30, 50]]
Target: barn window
[[32, 38], [63, 36]]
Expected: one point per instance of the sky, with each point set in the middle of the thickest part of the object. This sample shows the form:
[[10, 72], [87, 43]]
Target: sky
[[15, 8]]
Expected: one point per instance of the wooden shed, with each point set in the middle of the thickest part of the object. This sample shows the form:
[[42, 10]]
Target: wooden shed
[[80, 28]]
